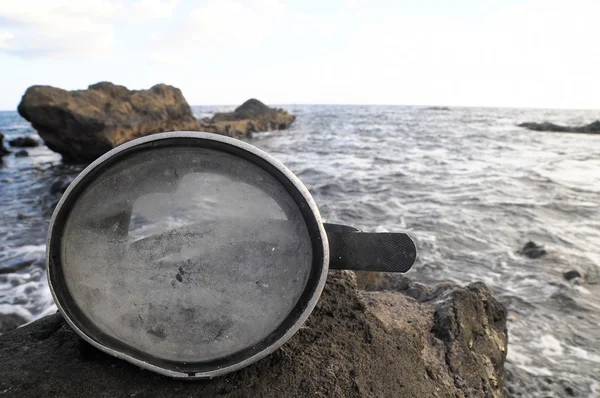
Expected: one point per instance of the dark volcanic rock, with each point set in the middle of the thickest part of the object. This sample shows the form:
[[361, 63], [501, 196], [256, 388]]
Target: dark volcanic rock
[[572, 275], [450, 343], [24, 142], [3, 150], [21, 154], [82, 125], [250, 117], [592, 128], [10, 321], [532, 250]]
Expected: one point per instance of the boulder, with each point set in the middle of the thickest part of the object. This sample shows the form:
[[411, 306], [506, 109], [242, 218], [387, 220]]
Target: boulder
[[250, 117], [532, 250], [451, 342], [24, 142], [592, 128], [21, 154], [84, 124]]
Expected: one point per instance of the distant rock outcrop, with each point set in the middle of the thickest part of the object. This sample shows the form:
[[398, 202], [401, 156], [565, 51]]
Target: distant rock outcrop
[[24, 142], [592, 128], [449, 342], [437, 108], [84, 124], [250, 117]]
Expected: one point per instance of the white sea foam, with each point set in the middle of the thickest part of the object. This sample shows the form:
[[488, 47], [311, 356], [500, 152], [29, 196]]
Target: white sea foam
[[551, 346]]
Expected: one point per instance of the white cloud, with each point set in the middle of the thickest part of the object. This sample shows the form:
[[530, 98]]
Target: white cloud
[[146, 10], [71, 29], [538, 53], [219, 24]]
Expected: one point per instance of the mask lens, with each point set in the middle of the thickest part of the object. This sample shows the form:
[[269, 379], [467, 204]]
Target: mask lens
[[187, 254]]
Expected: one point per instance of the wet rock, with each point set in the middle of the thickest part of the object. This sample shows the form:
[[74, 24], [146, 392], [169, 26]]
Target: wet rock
[[572, 275], [84, 124], [60, 185], [3, 150], [21, 154], [592, 128], [532, 250], [24, 142], [15, 265], [252, 116], [355, 344], [11, 318]]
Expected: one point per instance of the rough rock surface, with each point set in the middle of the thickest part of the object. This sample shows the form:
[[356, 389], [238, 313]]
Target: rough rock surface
[[83, 124], [592, 128], [24, 142], [450, 342], [250, 117]]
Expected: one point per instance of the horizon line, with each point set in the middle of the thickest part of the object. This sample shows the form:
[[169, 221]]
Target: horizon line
[[398, 105]]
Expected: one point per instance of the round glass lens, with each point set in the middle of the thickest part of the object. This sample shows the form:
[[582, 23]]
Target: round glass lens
[[186, 254]]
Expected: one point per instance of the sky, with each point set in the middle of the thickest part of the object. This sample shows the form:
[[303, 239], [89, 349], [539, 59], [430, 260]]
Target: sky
[[509, 53]]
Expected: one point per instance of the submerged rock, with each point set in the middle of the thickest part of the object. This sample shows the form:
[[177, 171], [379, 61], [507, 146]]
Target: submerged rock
[[532, 250], [592, 128], [250, 117], [24, 142], [21, 154], [449, 343], [572, 275], [84, 124]]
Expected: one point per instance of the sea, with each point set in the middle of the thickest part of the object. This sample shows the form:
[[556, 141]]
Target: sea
[[468, 184]]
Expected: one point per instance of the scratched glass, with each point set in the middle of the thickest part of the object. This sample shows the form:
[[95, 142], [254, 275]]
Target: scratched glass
[[186, 254]]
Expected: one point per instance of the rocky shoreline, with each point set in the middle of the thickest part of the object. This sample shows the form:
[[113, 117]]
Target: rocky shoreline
[[82, 125], [592, 128], [370, 335], [409, 340]]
